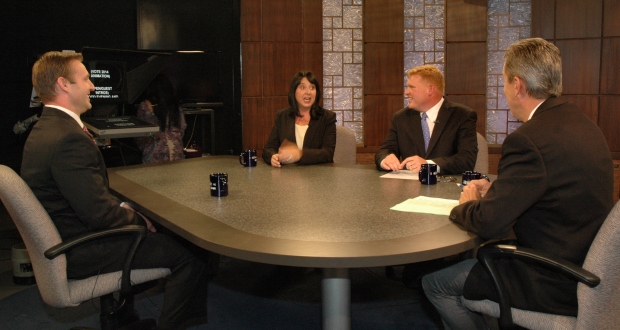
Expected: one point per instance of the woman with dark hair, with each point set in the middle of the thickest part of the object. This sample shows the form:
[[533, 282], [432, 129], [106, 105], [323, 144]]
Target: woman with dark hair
[[161, 107], [304, 133]]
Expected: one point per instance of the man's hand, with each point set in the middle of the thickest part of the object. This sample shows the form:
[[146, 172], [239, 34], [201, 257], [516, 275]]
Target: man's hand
[[474, 191], [390, 163], [149, 225], [413, 163]]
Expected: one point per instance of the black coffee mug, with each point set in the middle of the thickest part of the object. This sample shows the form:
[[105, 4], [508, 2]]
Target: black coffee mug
[[248, 158], [219, 184], [428, 174], [469, 176]]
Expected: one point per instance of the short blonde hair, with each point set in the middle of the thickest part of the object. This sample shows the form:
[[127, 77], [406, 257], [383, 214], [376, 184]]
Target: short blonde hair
[[48, 69], [430, 74]]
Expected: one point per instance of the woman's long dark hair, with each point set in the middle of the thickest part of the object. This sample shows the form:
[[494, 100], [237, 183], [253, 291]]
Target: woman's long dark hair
[[292, 101], [160, 93]]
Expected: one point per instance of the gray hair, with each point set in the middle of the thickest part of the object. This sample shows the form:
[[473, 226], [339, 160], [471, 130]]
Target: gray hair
[[538, 63]]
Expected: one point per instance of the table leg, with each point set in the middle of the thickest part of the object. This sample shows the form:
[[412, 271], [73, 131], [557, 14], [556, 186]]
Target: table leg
[[336, 297]]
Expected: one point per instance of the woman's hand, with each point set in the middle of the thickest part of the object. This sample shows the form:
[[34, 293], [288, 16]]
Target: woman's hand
[[288, 153], [275, 160]]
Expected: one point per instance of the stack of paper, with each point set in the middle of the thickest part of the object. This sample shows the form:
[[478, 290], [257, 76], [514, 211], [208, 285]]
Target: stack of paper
[[423, 204]]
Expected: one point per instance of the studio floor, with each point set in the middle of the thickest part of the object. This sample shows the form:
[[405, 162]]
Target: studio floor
[[243, 295]]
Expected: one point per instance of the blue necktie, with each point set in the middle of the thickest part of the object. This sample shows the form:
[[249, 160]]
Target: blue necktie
[[425, 131]]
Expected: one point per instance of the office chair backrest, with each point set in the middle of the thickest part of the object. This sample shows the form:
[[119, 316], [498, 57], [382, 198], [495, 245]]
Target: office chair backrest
[[39, 234], [346, 146], [599, 306], [482, 160]]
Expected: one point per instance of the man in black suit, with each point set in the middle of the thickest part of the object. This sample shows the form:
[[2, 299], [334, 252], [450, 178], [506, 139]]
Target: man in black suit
[[66, 172], [554, 190], [451, 127]]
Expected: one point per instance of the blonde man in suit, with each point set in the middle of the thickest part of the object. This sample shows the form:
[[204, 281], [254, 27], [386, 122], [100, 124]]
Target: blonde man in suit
[[67, 173], [453, 145]]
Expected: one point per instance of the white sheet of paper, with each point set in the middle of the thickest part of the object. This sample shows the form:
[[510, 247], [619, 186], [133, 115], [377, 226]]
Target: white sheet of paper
[[402, 174], [423, 204]]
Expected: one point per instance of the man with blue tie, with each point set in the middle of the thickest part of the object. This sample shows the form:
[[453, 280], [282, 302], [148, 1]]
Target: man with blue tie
[[430, 129]]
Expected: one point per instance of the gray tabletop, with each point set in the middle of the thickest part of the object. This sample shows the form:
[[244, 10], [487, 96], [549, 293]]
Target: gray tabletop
[[327, 216]]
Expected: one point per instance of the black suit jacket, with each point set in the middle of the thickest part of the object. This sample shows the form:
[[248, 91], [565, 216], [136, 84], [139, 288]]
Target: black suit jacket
[[554, 189], [319, 142], [453, 145], [67, 174]]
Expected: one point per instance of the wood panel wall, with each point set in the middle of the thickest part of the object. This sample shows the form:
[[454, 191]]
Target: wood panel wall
[[588, 35], [383, 67], [278, 39], [466, 60], [465, 69]]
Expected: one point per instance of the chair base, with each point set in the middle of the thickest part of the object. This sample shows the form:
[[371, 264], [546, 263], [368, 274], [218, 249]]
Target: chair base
[[145, 324]]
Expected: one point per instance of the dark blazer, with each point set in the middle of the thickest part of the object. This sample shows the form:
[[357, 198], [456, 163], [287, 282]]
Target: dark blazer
[[67, 173], [319, 142], [453, 145], [554, 189]]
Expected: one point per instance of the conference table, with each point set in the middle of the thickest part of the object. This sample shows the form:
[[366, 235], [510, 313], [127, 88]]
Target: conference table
[[329, 216]]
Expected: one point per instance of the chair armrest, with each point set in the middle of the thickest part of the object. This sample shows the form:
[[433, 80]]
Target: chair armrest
[[499, 250], [542, 259], [138, 231], [65, 246]]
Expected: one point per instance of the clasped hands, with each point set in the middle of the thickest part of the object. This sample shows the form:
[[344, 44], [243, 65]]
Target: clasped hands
[[413, 163], [474, 191], [287, 153], [149, 225]]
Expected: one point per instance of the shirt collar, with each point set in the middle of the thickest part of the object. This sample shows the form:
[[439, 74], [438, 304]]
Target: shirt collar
[[536, 108], [434, 111], [69, 112]]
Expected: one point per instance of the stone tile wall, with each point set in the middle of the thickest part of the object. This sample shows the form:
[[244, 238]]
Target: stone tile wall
[[424, 43], [508, 21], [343, 62], [424, 34]]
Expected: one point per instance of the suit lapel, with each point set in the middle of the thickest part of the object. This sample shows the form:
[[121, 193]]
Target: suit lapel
[[290, 129], [311, 132], [440, 123]]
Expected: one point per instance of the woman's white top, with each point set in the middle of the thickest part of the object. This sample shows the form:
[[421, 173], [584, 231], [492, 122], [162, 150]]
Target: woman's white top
[[300, 133]]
